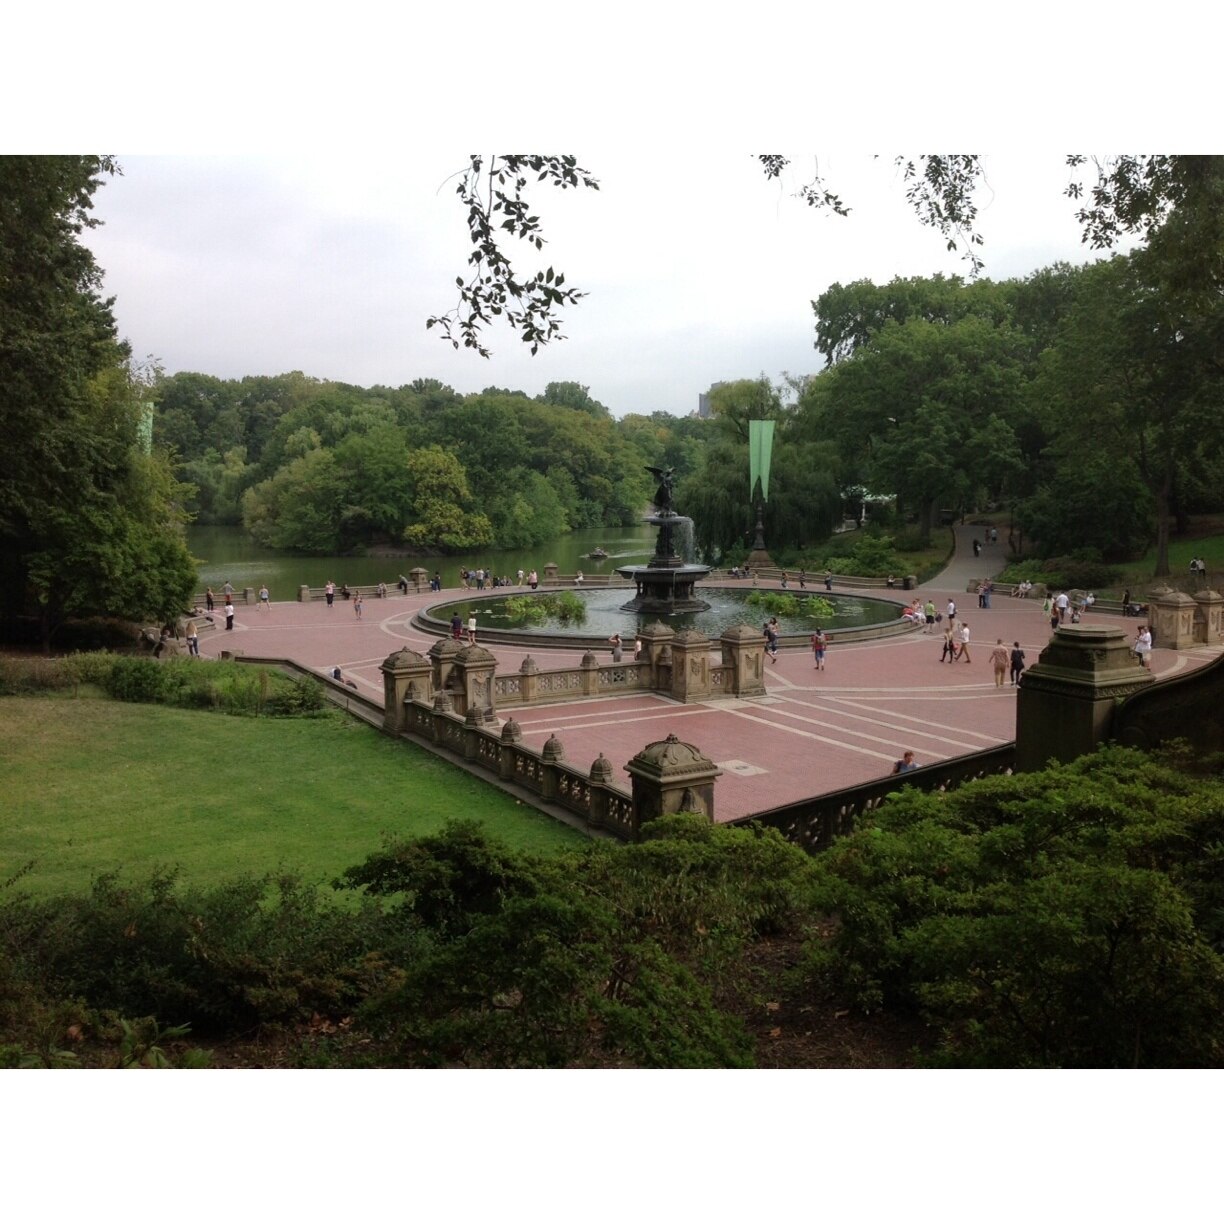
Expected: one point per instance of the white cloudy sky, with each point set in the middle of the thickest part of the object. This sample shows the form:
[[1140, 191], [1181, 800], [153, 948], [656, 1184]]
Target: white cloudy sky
[[287, 203], [262, 264]]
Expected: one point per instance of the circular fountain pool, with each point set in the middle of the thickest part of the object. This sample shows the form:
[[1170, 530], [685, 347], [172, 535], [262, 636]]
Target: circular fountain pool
[[603, 615]]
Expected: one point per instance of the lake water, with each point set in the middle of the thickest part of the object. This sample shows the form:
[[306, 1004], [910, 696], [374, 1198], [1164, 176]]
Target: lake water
[[229, 554]]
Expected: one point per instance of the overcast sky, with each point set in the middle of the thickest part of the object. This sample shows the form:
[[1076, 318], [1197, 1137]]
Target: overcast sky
[[260, 265]]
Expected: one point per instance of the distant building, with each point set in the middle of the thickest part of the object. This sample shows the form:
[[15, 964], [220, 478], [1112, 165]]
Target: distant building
[[703, 401]]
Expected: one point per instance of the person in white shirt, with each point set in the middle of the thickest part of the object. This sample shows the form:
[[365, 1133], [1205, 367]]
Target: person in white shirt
[[963, 653], [1143, 645]]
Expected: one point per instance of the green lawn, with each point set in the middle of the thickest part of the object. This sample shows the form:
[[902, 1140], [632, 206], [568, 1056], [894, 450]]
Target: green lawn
[[92, 785]]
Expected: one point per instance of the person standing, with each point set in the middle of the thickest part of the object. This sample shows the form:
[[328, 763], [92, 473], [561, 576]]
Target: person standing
[[964, 643], [228, 590], [771, 640], [533, 580], [828, 580], [929, 613], [357, 605], [784, 580], [1017, 662], [209, 599], [193, 638], [951, 611], [999, 661], [820, 643], [264, 605], [637, 649], [471, 629], [802, 581], [1062, 603], [330, 592], [617, 646], [456, 627], [229, 612], [1143, 646]]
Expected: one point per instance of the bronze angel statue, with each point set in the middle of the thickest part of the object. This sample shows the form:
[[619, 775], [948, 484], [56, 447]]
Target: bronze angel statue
[[663, 494]]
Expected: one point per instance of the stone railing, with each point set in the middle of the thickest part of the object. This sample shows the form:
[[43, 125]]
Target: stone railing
[[1189, 707], [814, 823]]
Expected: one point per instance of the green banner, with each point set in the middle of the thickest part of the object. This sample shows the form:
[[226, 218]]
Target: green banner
[[760, 448]]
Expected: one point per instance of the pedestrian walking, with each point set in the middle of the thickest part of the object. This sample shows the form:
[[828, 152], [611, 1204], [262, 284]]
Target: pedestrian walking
[[193, 638], [820, 643], [329, 592], [828, 580], [999, 661], [771, 640], [948, 654], [1017, 662], [963, 653], [802, 581], [951, 611]]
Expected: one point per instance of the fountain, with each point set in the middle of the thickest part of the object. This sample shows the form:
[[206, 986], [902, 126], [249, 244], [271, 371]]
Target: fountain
[[665, 583]]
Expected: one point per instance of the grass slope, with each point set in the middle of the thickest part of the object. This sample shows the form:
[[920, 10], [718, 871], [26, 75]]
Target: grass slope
[[88, 786]]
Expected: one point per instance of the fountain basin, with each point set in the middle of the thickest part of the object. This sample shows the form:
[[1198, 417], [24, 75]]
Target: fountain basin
[[855, 617]]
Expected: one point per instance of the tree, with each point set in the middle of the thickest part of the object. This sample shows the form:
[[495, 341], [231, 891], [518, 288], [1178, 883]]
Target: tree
[[492, 289], [89, 523], [1135, 372], [924, 410], [440, 515]]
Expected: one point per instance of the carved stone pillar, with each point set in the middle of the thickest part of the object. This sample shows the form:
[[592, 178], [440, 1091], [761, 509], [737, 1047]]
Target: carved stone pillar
[[550, 574], [590, 674], [442, 659], [671, 776], [529, 680], [443, 711], [690, 666], [1171, 615], [303, 594], [551, 755], [406, 677], [743, 649], [511, 736], [1209, 617], [419, 578], [472, 679], [1067, 697], [601, 780], [656, 642]]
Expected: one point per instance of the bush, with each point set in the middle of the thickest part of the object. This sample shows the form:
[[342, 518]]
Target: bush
[[136, 680]]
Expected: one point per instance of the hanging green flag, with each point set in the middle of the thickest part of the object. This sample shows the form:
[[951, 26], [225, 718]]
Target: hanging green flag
[[760, 448]]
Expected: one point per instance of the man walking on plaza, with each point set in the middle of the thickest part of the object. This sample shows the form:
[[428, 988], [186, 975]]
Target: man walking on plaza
[[963, 653]]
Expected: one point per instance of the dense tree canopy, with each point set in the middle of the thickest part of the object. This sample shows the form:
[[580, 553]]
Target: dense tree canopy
[[89, 524]]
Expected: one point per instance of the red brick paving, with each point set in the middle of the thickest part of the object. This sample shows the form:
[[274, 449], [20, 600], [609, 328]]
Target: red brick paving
[[813, 732]]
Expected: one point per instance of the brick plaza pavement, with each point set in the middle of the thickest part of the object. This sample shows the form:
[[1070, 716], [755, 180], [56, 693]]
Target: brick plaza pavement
[[813, 731]]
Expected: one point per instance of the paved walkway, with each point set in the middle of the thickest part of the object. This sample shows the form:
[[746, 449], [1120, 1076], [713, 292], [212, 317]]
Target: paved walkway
[[813, 732]]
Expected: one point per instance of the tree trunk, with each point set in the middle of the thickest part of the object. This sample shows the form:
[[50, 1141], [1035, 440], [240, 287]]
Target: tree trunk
[[1162, 528]]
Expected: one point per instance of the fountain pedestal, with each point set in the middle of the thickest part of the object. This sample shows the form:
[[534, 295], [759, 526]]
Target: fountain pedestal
[[665, 584]]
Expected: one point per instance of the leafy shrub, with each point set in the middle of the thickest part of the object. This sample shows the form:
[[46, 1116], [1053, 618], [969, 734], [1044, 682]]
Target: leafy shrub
[[1066, 918], [136, 680], [297, 697]]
